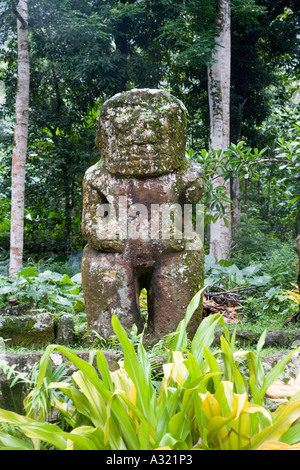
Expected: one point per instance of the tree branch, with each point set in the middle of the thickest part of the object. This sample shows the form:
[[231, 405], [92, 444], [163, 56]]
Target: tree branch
[[265, 160]]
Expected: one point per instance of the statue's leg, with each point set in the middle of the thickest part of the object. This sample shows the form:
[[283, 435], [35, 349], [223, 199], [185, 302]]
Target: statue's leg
[[177, 277], [109, 288]]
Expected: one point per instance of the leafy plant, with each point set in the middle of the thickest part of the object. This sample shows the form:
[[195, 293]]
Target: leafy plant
[[48, 289], [227, 275], [281, 264], [294, 295], [143, 300], [202, 402]]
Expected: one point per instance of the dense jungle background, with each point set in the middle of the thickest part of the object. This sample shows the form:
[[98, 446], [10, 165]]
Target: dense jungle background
[[81, 53]]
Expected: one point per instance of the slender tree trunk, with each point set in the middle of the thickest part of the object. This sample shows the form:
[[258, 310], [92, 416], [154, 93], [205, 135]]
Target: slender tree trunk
[[69, 206], [236, 206], [219, 103], [20, 142], [235, 137], [245, 196]]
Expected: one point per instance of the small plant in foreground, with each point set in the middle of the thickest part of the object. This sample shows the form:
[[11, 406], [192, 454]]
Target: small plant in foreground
[[204, 401], [294, 295]]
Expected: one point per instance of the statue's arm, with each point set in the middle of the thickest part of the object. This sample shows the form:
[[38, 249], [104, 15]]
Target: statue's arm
[[192, 179], [99, 224]]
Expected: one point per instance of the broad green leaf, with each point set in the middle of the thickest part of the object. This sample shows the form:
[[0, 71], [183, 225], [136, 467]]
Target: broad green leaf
[[124, 420], [143, 436], [135, 370], [86, 368], [51, 276], [204, 335], [14, 418], [76, 278], [50, 433], [28, 272], [60, 300], [97, 406], [179, 426], [292, 436], [213, 365], [65, 280], [13, 443], [180, 337], [281, 424], [168, 441], [104, 371], [276, 372], [81, 439], [6, 289], [231, 370]]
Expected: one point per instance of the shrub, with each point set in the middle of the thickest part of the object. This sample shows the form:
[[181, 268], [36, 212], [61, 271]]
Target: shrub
[[227, 275], [202, 402], [50, 290]]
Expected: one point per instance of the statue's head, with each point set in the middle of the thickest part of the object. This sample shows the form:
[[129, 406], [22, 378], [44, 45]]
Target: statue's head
[[142, 133]]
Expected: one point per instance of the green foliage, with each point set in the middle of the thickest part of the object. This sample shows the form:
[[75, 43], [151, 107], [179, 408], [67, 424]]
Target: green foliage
[[261, 308], [276, 172], [83, 53], [201, 403], [228, 276], [281, 263], [265, 275], [143, 300], [46, 290], [294, 295]]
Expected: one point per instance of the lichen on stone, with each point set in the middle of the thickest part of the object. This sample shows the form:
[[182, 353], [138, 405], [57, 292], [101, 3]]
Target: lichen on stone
[[141, 135]]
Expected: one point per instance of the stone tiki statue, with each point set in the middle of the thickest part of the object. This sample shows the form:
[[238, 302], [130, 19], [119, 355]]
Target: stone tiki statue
[[143, 171]]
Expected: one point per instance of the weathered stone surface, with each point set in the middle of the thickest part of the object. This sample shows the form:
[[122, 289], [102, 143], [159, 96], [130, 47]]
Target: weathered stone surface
[[292, 367], [21, 325], [142, 133], [277, 338], [27, 330], [243, 337], [15, 309], [143, 176], [65, 330], [11, 398], [274, 338]]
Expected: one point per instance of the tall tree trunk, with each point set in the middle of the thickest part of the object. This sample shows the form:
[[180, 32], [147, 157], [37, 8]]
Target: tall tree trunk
[[20, 142], [235, 137], [219, 104], [236, 206]]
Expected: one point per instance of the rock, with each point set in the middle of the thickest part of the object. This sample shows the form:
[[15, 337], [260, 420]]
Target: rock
[[65, 330], [16, 309], [297, 335], [277, 338], [135, 200], [21, 325], [246, 338], [292, 367], [34, 330], [11, 398]]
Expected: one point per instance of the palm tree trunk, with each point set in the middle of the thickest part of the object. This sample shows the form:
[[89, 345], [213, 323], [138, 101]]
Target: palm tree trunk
[[20, 142]]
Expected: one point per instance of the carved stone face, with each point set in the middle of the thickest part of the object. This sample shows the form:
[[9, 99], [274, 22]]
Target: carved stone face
[[142, 133]]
